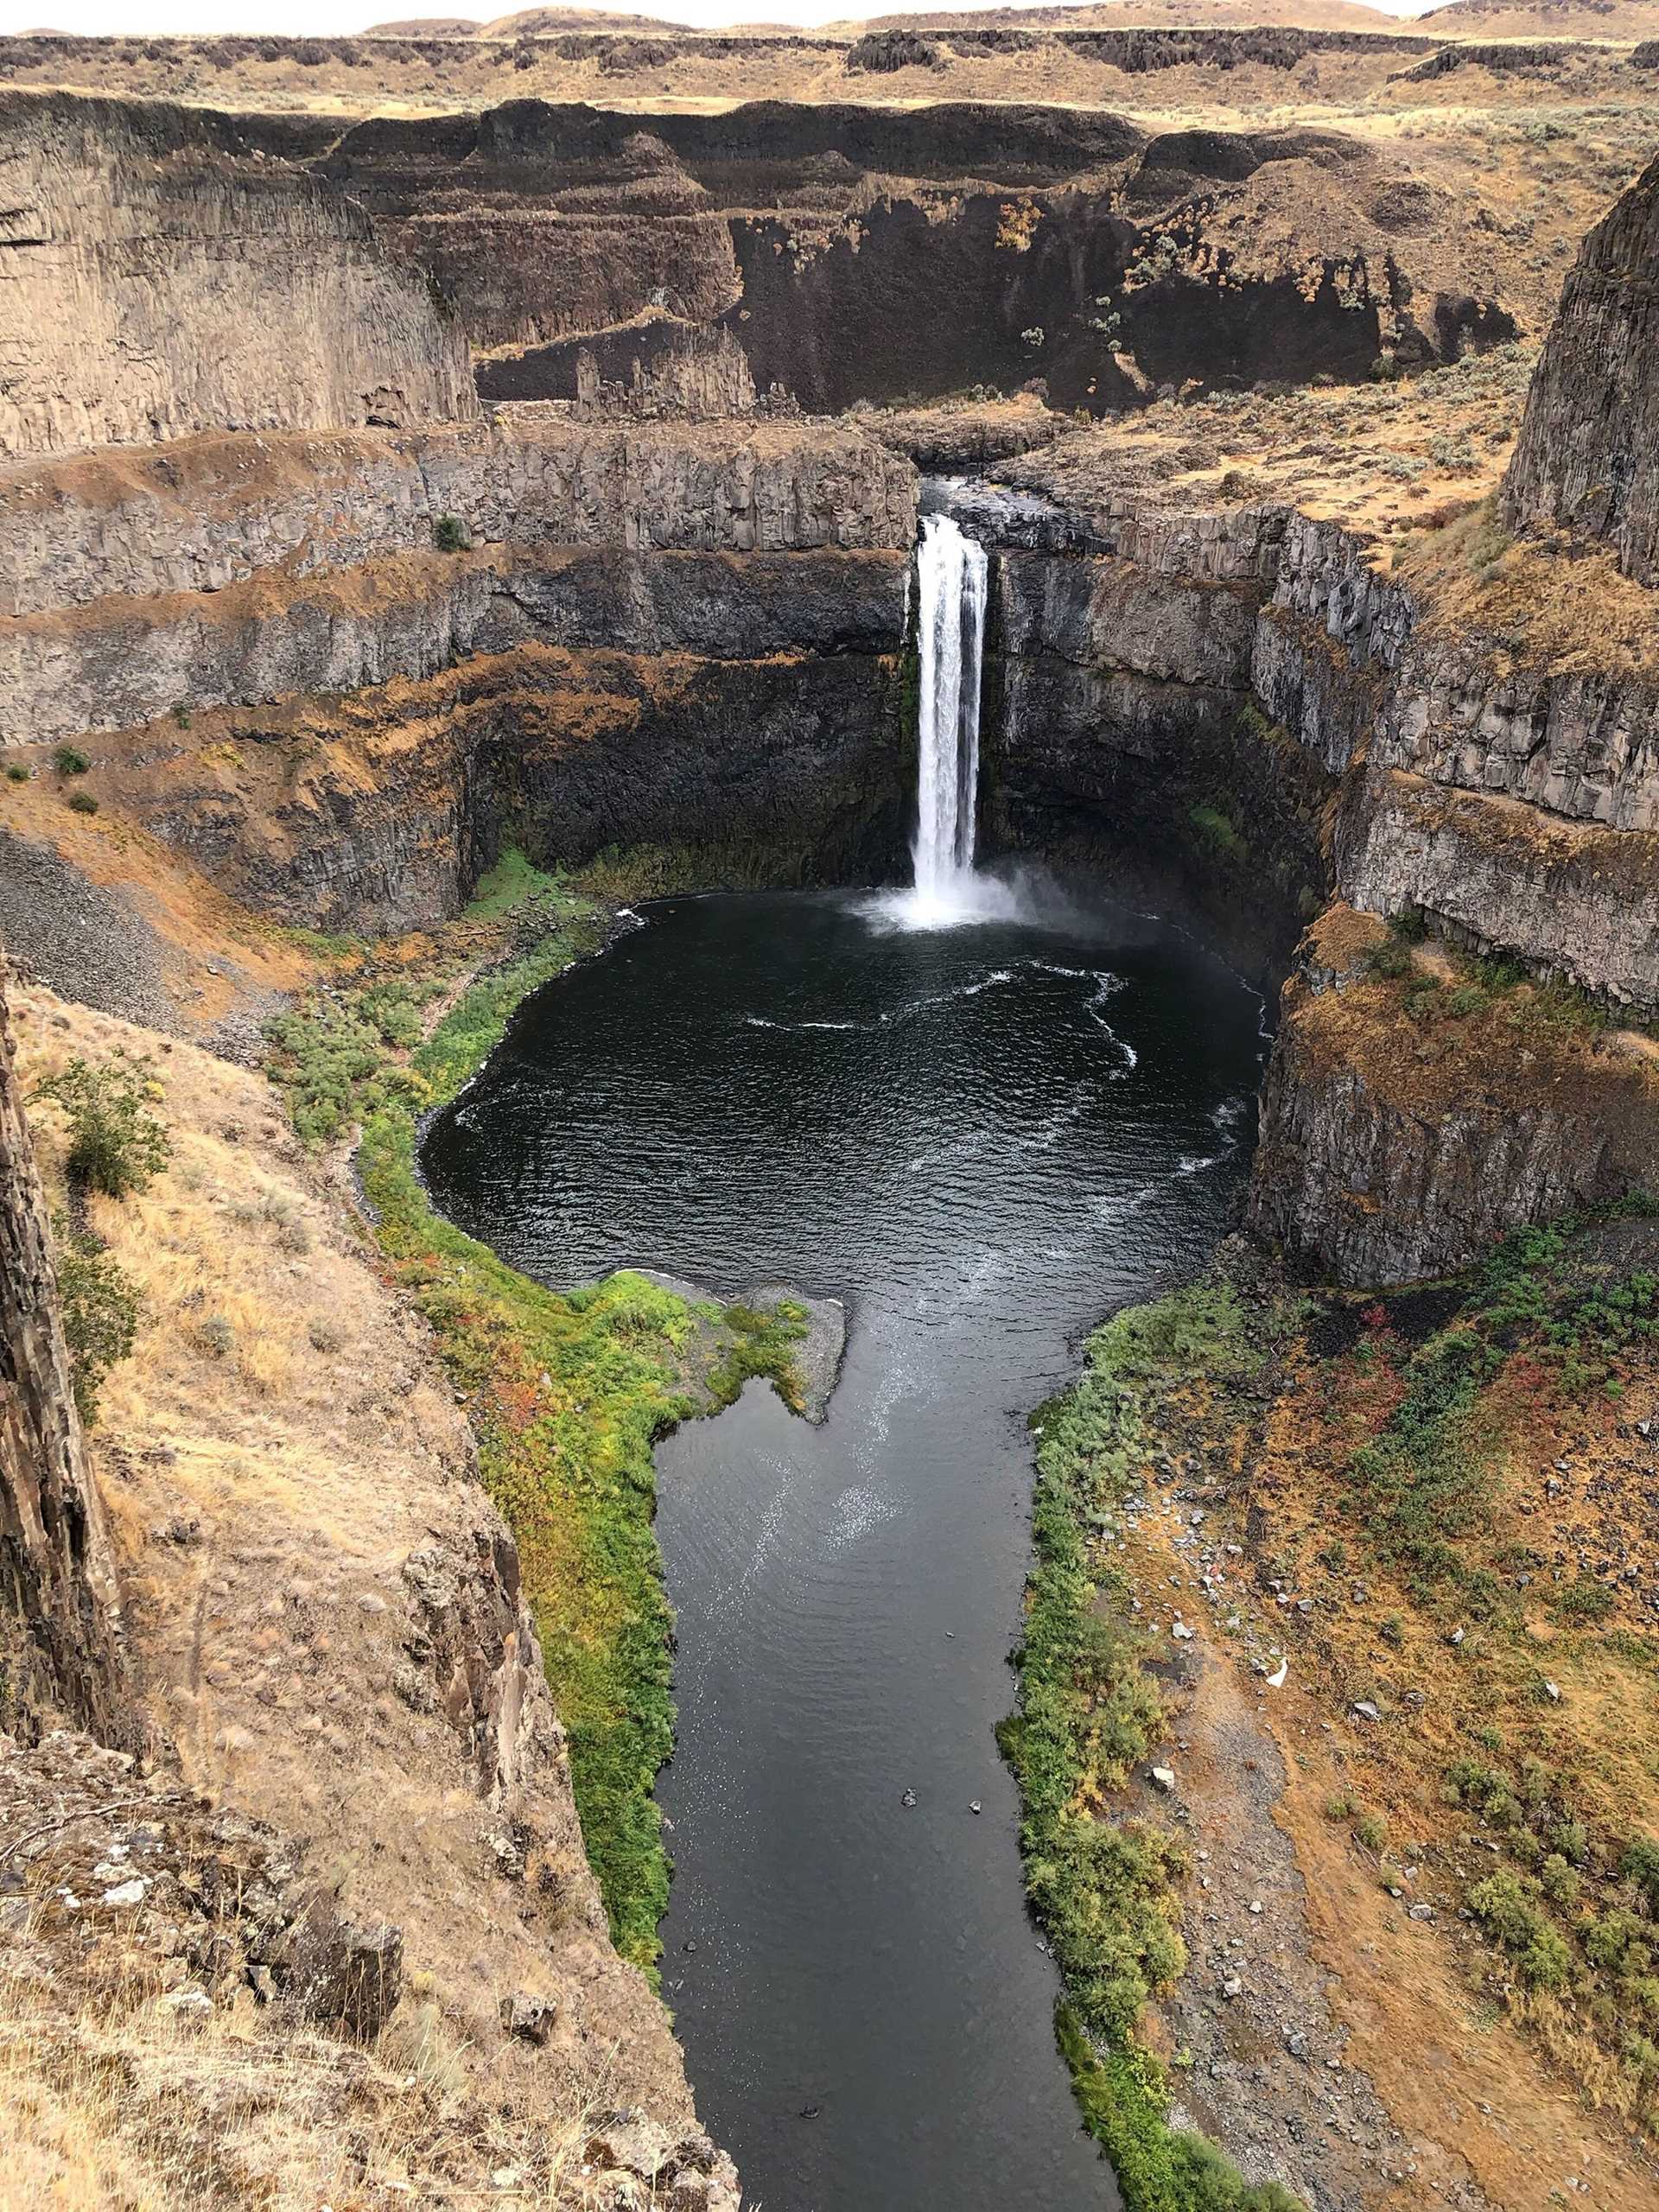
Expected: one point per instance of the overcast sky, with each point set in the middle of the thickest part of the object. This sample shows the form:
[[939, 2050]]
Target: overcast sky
[[296, 17]]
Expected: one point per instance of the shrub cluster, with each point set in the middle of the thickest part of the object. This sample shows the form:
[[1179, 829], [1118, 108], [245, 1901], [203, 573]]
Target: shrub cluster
[[329, 1059], [1575, 1922], [117, 1145], [101, 1306]]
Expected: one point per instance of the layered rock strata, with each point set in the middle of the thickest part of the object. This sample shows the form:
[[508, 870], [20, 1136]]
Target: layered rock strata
[[1248, 699], [669, 635], [850, 251], [1389, 1152], [1006, 232], [275, 305], [1126, 734]]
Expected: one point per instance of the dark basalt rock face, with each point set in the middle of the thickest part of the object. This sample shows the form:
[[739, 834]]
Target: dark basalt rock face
[[1120, 729], [1588, 459], [982, 261], [59, 1618]]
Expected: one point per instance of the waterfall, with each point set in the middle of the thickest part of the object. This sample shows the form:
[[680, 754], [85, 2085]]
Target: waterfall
[[952, 571]]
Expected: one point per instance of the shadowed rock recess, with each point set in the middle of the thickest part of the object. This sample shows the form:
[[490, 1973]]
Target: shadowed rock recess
[[520, 488]]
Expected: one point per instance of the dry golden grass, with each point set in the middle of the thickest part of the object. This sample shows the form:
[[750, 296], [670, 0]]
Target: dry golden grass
[[279, 1447], [1380, 458], [213, 953], [112, 2099], [1565, 612]]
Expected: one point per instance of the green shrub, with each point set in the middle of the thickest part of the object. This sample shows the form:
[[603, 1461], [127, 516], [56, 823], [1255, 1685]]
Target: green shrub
[[101, 1306], [1559, 1882], [116, 1144], [1640, 1865], [449, 534], [1120, 2096], [1572, 1840], [1391, 960], [1587, 1600], [1423, 1478], [1610, 1936], [1503, 1904], [1217, 832], [1545, 1963], [69, 762], [17, 773], [82, 802], [1087, 1712], [1371, 1833]]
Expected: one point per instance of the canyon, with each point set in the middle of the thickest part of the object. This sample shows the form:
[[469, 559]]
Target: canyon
[[499, 506]]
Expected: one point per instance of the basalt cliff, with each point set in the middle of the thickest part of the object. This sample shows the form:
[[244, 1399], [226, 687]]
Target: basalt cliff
[[458, 493]]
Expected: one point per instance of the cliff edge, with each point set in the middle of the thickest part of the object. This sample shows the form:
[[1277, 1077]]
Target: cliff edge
[[1588, 459], [274, 306]]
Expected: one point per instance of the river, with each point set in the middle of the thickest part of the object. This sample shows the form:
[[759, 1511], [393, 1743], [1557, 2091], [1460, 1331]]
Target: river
[[981, 1138]]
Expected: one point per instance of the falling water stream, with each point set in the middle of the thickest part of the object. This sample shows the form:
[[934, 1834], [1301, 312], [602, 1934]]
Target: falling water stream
[[952, 572], [980, 1126]]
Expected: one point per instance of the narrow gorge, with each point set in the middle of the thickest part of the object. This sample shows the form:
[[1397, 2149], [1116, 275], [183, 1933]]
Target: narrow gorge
[[732, 821]]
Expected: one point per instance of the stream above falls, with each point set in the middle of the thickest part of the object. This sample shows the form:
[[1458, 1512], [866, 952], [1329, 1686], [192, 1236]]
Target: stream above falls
[[980, 1138]]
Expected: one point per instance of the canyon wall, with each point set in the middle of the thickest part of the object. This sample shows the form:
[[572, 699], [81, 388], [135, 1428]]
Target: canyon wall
[[1123, 733], [61, 1643], [1390, 1149], [857, 252], [274, 306], [684, 636], [1587, 461], [1251, 702], [339, 668], [329, 273], [1511, 798]]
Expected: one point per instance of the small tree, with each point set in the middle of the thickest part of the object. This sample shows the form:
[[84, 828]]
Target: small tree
[[116, 1144], [101, 1304]]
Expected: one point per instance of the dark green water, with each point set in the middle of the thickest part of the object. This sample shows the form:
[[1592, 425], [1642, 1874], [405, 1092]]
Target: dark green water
[[981, 1139]]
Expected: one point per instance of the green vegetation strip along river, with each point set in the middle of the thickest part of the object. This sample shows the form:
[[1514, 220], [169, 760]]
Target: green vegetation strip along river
[[566, 1393]]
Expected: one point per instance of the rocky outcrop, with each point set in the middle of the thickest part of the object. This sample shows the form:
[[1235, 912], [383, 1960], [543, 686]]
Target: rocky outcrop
[[1388, 1153], [850, 251], [1498, 876], [61, 1646], [1588, 460], [275, 306], [1512, 799], [1249, 702], [416, 615], [380, 811], [871, 253]]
